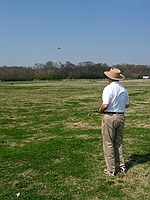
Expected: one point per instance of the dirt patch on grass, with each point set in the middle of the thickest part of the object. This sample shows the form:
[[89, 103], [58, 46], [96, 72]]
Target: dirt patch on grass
[[29, 173], [137, 174], [81, 125]]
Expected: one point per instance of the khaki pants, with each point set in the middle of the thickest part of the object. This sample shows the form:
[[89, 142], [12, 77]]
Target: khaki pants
[[112, 132]]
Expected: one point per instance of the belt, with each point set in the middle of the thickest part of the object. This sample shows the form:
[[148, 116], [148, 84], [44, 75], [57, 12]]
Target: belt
[[118, 113]]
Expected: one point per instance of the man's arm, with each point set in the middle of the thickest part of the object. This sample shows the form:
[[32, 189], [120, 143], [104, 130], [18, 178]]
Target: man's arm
[[103, 108], [127, 100]]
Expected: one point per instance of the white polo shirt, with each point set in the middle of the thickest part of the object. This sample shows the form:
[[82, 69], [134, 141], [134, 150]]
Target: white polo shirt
[[116, 96]]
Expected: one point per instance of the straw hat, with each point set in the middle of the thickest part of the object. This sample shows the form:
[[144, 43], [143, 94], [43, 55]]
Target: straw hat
[[114, 74]]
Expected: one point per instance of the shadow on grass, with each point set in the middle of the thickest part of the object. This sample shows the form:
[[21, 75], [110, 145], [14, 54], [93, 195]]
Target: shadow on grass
[[136, 159]]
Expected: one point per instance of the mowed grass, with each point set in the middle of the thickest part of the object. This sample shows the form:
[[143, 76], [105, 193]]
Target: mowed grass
[[51, 143]]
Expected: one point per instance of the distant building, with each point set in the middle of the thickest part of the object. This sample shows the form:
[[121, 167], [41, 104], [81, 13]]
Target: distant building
[[145, 77]]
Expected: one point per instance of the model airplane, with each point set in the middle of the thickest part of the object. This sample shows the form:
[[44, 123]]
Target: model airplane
[[58, 47]]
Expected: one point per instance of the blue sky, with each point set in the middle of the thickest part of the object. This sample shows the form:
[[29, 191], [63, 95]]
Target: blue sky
[[100, 31]]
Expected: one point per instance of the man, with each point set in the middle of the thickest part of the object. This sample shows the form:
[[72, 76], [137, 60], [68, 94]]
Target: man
[[115, 100]]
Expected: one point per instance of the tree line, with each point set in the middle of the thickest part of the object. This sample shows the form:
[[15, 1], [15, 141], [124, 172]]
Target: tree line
[[68, 70]]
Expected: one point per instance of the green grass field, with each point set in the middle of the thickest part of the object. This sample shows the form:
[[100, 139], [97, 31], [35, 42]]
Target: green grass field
[[51, 143]]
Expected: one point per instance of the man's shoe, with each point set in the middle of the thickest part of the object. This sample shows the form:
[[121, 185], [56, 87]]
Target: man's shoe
[[123, 169], [110, 173]]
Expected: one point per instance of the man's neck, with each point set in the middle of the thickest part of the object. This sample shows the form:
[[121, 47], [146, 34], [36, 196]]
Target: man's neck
[[111, 80]]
